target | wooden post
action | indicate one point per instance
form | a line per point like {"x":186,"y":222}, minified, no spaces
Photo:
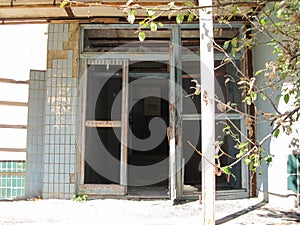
{"x":207,"y":112}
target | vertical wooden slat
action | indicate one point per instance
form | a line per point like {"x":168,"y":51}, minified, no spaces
{"x":177,"y":82}
{"x":123,"y":166}
{"x":83,"y":99}
{"x":208,"y":112}
{"x":172,"y":141}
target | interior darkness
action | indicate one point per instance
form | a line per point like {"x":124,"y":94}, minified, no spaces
{"x":140,"y":114}
{"x":144,"y":82}
{"x":138,"y":123}
{"x":102,"y":143}
{"x":192,"y":168}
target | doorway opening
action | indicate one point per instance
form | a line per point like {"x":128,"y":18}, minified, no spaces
{"x":103,"y":126}
{"x":148,"y":150}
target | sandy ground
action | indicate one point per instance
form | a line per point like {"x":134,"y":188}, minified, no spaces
{"x":158,"y":212}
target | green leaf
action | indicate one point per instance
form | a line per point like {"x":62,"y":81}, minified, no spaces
{"x":247,"y":161}
{"x":263,"y":96}
{"x":63,"y":4}
{"x":234,"y":42}
{"x":268,"y":159}
{"x":253,"y":96}
{"x":179,"y":18}
{"x":263,"y":21}
{"x":191,"y":17}
{"x":243,"y":144}
{"x":226,"y":130}
{"x":226,"y":169}
{"x":234,"y":10}
{"x":160,"y":24}
{"x":142,"y":36}
{"x":240,"y":154}
{"x":151,"y":12}
{"x":153,"y":26}
{"x":248,"y":100}
{"x":226,"y":44}
{"x":145,"y":25}
{"x":286,"y":98}
{"x":131,"y":16}
{"x":276,"y":133}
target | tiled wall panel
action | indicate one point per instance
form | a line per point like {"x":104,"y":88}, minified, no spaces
{"x":59,"y":156}
{"x":35,"y":139}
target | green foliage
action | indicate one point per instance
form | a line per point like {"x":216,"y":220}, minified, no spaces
{"x":131,"y":16}
{"x":226,"y":170}
{"x":179,"y":18}
{"x":80,"y":198}
{"x":277,"y":132}
{"x":63,"y":4}
{"x":142,"y":36}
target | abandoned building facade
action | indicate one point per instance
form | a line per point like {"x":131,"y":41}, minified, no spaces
{"x":101,"y":114}
{"x":100,"y":83}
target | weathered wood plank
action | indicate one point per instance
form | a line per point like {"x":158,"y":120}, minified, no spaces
{"x":102,"y":189}
{"x":13,"y":126}
{"x":12,"y":81}
{"x":124,"y":132}
{"x":10,"y":103}
{"x":13,"y":150}
{"x":102,"y":123}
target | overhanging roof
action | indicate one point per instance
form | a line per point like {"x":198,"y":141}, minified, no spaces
{"x":36,"y":10}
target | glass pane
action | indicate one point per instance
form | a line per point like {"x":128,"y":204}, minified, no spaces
{"x":104,"y":95}
{"x":102,"y":156}
{"x":191,"y":131}
{"x":226,"y":86}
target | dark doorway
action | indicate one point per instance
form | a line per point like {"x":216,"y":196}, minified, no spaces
{"x":148,"y":151}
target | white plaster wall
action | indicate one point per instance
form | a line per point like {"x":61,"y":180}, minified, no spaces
{"x":22,"y":47}
{"x":272,"y":185}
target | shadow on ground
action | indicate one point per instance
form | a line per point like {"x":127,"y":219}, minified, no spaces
{"x":287,"y":217}
{"x":240,"y":213}
{"x":290,"y":217}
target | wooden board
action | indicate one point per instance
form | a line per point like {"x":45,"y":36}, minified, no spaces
{"x":102,"y":123}
{"x":102,"y":189}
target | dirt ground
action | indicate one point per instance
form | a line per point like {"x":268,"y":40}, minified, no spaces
{"x":154,"y":212}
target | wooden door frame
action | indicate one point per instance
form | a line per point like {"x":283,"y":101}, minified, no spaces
{"x":104,"y":189}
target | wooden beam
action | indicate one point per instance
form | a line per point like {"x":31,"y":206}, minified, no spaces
{"x":208,"y":113}
{"x":13,"y":150}
{"x":10,"y":103}
{"x":12,"y":81}
{"x":69,"y":11}
{"x":13,"y":126}
{"x":102,"y":123}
